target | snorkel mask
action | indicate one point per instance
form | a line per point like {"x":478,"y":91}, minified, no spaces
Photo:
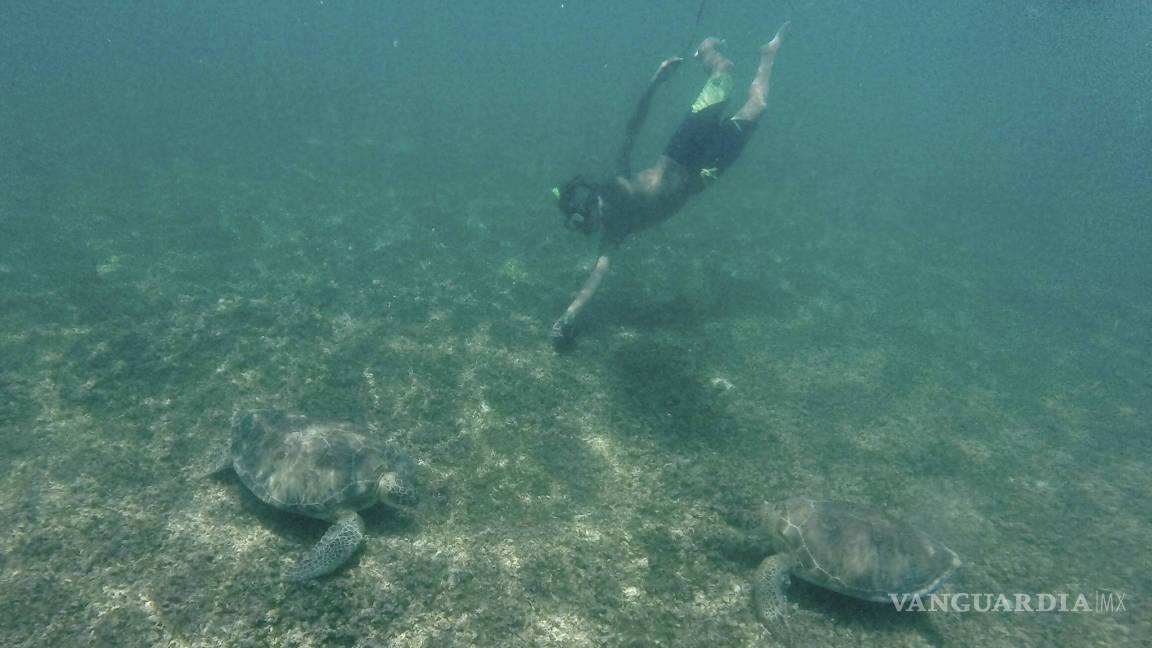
{"x":579,"y":200}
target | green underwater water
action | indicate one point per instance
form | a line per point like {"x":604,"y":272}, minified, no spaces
{"x":960,"y":340}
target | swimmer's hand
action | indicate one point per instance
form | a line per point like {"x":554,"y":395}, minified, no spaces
{"x":563,"y":335}
{"x":666,"y":69}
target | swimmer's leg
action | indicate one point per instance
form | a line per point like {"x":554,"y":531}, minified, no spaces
{"x":758,"y":91}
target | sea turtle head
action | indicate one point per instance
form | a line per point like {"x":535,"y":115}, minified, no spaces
{"x":772,"y":522}
{"x":396,"y":484}
{"x":781,"y":522}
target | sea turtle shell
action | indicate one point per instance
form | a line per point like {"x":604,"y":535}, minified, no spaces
{"x":321,"y":470}
{"x":857,"y":550}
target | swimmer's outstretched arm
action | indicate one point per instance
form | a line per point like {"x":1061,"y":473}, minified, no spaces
{"x":623,"y":162}
{"x":563,"y":331}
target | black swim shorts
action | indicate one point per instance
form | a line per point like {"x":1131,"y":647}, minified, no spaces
{"x":707,"y":143}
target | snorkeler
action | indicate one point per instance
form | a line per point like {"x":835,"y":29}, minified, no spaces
{"x":703,"y":146}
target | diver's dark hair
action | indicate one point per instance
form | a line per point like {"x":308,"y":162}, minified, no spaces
{"x":572,"y":194}
{"x":578,"y":199}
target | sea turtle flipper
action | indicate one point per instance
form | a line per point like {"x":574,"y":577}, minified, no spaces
{"x":340,"y":541}
{"x":768,"y":593}
{"x":218,"y":459}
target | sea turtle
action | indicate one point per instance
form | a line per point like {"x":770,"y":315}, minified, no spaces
{"x":848,"y":548}
{"x":322,"y":470}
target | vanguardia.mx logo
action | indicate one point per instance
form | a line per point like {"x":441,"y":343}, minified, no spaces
{"x":1102,"y":602}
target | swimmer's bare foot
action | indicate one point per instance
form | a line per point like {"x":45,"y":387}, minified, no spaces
{"x":563,"y":335}
{"x":708,"y":54}
{"x":708,"y":45}
{"x":771,"y":47}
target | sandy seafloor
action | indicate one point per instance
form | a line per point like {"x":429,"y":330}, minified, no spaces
{"x":598,"y":498}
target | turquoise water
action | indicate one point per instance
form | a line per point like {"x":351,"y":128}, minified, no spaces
{"x":923,"y":287}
